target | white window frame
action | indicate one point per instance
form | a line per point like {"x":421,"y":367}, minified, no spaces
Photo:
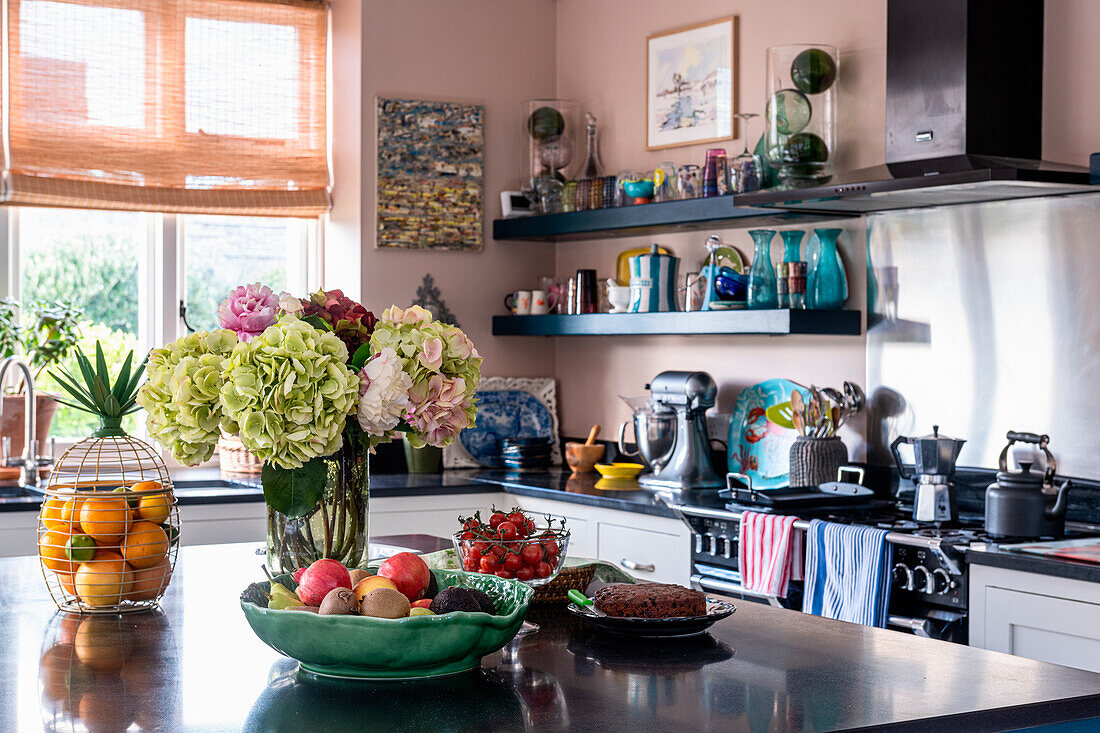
{"x":162,"y":273}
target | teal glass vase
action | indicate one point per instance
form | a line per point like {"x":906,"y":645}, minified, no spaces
{"x":826,"y":283}
{"x":792,"y":245}
{"x":762,"y":288}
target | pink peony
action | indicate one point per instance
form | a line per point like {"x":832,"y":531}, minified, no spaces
{"x":248,"y":310}
{"x":438,"y":411}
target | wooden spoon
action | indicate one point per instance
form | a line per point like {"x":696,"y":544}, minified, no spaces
{"x":592,"y":435}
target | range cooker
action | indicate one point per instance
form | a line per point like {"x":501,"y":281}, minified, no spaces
{"x":928,"y":596}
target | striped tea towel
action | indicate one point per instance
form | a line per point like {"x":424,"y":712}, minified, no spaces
{"x":769,"y":553}
{"x":847,"y":573}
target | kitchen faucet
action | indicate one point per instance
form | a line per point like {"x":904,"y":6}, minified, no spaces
{"x":30,"y":461}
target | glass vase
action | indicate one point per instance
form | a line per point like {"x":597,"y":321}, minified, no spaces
{"x":800,"y":114}
{"x":795,"y":268}
{"x":762,"y":288}
{"x":337,"y":525}
{"x":826,"y":284}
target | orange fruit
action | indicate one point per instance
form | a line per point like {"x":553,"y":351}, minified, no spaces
{"x":104,"y":580}
{"x":155,"y":508}
{"x":68,"y":583}
{"x":103,"y":643}
{"x":51,"y":548}
{"x":146,"y":486}
{"x":105,"y":519}
{"x":151,"y":581}
{"x":371,"y":582}
{"x":104,"y":708}
{"x":68,"y":626}
{"x":144,"y":544}
{"x":70,"y":511}
{"x":52,"y":515}
{"x":53,"y":670}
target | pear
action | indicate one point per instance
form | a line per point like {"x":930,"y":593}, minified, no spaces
{"x":282,"y":598}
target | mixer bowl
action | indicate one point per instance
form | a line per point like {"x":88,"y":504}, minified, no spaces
{"x":655,"y":434}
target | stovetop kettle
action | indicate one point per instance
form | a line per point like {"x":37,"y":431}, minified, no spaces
{"x":1025,"y":504}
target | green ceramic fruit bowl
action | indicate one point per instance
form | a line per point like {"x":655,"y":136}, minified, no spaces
{"x":407,"y":648}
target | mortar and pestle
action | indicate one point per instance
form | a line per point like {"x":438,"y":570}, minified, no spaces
{"x":582,"y":457}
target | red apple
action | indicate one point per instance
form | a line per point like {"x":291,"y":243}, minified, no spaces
{"x":320,"y":578}
{"x":297,"y":575}
{"x":409,"y":573}
{"x":422,"y":603}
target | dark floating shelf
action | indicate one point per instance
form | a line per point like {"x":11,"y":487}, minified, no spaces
{"x":771,"y":322}
{"x":630,"y":221}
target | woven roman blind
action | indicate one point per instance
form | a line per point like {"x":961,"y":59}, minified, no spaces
{"x":185,"y":106}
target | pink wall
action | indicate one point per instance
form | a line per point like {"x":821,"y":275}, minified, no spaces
{"x":601,"y":50}
{"x":497,"y":53}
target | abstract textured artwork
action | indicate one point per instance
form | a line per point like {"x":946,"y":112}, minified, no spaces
{"x":429,"y":174}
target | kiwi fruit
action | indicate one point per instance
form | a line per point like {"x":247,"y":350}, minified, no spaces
{"x":357,"y":575}
{"x":384,"y":603}
{"x":339,"y":602}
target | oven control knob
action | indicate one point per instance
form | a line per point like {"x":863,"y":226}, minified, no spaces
{"x":698,"y":543}
{"x":903,"y":576}
{"x":923,"y":580}
{"x":713,"y":545}
{"x":942,"y":581}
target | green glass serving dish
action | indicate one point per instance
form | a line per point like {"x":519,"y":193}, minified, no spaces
{"x":392,"y":649}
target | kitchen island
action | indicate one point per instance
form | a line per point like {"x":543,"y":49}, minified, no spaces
{"x":196,"y":666}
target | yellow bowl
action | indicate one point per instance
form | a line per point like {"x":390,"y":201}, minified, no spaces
{"x":619,"y":470}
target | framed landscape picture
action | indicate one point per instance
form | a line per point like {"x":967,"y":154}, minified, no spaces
{"x":690,"y":76}
{"x":430,"y":172}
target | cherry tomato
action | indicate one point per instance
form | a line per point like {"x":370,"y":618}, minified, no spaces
{"x":508,"y":574}
{"x":542,"y":570}
{"x":490,"y":563}
{"x":519,"y":519}
{"x":508,"y":531}
{"x":532,"y":554}
{"x":499,"y":551}
{"x":525,"y":573}
{"x":512,"y":561}
{"x":551,"y":547}
{"x":497,"y":518}
{"x":467,"y":535}
{"x":479,"y":548}
{"x":470,"y":523}
{"x":471,"y":564}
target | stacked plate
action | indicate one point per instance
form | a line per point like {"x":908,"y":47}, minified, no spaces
{"x":525,"y":453}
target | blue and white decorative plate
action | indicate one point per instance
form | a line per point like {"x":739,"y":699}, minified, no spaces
{"x":507,"y":407}
{"x":758,"y":447}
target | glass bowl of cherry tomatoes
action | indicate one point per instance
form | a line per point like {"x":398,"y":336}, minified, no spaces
{"x":512,"y":545}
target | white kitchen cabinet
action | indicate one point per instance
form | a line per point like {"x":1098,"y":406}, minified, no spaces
{"x":215,"y":524}
{"x":1042,"y":617}
{"x":18,"y":533}
{"x":582,"y":531}
{"x":431,"y":514}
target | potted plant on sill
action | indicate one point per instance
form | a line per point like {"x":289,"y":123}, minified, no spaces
{"x":43,"y":341}
{"x":311,"y":389}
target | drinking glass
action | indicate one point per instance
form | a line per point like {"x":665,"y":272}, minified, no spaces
{"x":744,"y":170}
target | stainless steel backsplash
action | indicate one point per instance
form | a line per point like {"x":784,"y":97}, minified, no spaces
{"x":986,"y":318}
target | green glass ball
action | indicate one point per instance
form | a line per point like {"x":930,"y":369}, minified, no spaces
{"x":545,"y":122}
{"x":788,"y":111}
{"x":806,"y":147}
{"x":813,"y":71}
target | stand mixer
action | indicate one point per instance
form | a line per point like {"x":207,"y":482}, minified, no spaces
{"x":671,"y":432}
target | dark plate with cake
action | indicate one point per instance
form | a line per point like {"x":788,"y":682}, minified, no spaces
{"x":652,"y":609}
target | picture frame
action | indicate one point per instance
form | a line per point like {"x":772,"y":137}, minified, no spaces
{"x":543,"y":389}
{"x":691,"y":89}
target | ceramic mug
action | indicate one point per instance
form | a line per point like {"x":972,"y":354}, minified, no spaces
{"x":519,"y":302}
{"x":540,"y":303}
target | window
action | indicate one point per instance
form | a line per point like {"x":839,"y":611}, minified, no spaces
{"x":119,"y":268}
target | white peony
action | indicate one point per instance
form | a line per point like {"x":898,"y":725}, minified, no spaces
{"x":383,"y":393}
{"x":289,"y":304}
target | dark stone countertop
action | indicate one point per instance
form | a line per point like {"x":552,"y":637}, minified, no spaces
{"x":196,"y":666}
{"x":995,"y":556}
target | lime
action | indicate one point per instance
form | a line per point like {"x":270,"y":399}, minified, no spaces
{"x":132,"y":501}
{"x":806,"y":147}
{"x":545,"y":122}
{"x":788,"y":111}
{"x":813,"y":71}
{"x":80,"y":548}
{"x":172,"y":532}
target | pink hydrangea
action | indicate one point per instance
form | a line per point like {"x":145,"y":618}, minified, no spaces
{"x":439,"y":409}
{"x":249,"y":310}
{"x":431,"y":353}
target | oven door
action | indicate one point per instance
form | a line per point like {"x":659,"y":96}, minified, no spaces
{"x":726,"y":583}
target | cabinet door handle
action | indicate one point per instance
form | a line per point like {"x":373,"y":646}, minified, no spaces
{"x":644,"y":567}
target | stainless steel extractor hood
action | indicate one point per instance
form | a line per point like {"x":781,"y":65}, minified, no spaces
{"x":963,"y":115}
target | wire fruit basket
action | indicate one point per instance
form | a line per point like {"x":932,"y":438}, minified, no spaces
{"x":108,"y":530}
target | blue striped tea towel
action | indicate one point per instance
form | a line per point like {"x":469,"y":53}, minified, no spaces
{"x":847,"y":573}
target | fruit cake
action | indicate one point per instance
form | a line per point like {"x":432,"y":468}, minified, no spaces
{"x":650,"y":600}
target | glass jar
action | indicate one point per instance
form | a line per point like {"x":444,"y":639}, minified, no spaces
{"x":552,"y":140}
{"x":762,"y":287}
{"x":800,"y":115}
{"x":826,"y":283}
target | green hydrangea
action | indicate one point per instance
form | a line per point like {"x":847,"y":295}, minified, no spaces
{"x":288,"y":393}
{"x":182,"y":393}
